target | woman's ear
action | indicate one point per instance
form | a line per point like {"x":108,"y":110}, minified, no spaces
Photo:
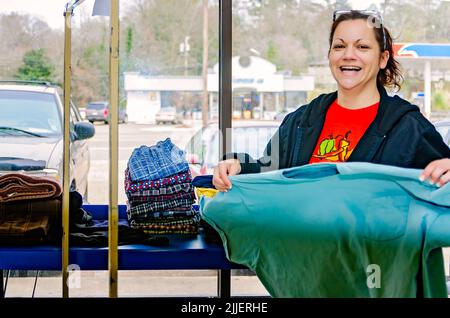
{"x":384,"y":59}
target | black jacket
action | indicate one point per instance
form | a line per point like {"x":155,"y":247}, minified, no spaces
{"x":399,"y":135}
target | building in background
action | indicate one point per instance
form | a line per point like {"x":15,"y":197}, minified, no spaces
{"x":259,"y":92}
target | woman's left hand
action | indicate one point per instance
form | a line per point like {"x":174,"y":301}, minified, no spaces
{"x":438,"y":171}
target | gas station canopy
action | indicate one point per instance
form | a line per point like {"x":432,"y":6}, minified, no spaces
{"x":425,"y":55}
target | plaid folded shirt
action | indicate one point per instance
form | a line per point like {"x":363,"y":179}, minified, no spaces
{"x":169,"y":222}
{"x":189,"y":229}
{"x":160,"y":198}
{"x":174,"y":189}
{"x":169,"y":215}
{"x":158,"y":161}
{"x":185,"y":226}
{"x":142,"y":211}
{"x":179,"y":178}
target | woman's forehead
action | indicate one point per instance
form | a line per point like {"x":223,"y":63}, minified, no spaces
{"x":353,"y":30}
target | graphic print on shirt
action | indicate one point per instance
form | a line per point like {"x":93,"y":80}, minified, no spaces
{"x":341,"y":132}
{"x":335,"y":148}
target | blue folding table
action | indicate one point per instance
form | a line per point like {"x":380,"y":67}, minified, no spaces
{"x":181,"y":253}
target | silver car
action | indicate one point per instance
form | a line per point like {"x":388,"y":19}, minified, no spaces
{"x":202,"y":150}
{"x":443,"y":127}
{"x":31,"y":134}
{"x":99,"y":111}
{"x":168,"y":115}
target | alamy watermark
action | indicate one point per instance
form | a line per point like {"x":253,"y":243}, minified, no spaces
{"x":374,"y":276}
{"x":74,"y":278}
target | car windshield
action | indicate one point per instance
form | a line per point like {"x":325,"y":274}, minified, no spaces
{"x":167,"y":110}
{"x":96,"y":106}
{"x":251,"y":140}
{"x":443,"y":130}
{"x":29,"y":111}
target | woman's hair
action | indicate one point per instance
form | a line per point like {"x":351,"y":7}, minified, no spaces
{"x":391,"y":75}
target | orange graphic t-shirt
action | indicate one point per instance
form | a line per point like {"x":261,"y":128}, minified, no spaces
{"x":341,"y":132}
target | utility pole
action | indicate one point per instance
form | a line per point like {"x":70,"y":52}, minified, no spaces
{"x":184,"y":49}
{"x":205,"y":65}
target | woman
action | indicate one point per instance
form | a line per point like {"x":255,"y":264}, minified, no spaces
{"x":359,"y":122}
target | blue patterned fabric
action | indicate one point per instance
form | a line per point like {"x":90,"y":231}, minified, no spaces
{"x":156,"y":162}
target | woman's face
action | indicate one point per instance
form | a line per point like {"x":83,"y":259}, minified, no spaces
{"x":354,"y":56}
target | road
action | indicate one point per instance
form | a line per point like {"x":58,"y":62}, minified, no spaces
{"x":131,"y":135}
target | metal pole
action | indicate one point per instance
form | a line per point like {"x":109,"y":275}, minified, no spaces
{"x":205,"y":107}
{"x":225,"y":93}
{"x":66,"y":155}
{"x":113,"y":148}
{"x":185,"y":60}
{"x":225,"y":73}
{"x":2,"y":291}
{"x":427,"y":91}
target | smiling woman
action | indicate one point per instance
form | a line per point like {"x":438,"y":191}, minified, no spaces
{"x":358,"y":122}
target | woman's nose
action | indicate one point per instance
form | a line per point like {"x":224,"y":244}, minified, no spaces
{"x":349,"y":52}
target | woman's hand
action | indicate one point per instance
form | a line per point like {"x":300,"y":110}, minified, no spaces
{"x":224,"y":169}
{"x":438,"y":171}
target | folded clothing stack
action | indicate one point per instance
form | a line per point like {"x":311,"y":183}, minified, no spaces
{"x":158,"y":185}
{"x":30,"y":209}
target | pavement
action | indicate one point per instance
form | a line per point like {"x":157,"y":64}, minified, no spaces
{"x":199,"y":283}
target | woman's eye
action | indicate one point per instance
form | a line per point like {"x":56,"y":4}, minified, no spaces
{"x":364,"y":47}
{"x":338,"y":46}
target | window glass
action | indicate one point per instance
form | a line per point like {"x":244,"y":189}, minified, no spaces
{"x":30,"y":111}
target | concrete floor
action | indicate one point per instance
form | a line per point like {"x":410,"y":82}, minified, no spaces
{"x":137,"y":284}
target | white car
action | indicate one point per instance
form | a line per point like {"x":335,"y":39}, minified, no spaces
{"x":443,"y":127}
{"x":31,"y":133}
{"x":202,"y":150}
{"x":168,"y":115}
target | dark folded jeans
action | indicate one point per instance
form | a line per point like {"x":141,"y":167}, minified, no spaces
{"x":95,"y":233}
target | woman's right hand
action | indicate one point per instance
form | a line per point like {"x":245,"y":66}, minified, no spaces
{"x":224,"y":169}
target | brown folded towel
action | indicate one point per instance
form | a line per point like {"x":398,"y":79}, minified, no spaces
{"x":16,"y":186}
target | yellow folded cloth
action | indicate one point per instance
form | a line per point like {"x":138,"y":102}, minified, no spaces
{"x":208,"y":192}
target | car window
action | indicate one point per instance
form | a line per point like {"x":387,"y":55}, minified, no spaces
{"x":76,"y":116}
{"x":167,"y":110}
{"x":443,"y":130}
{"x":96,"y":106}
{"x":32,"y":111}
{"x":251,"y":140}
{"x":197,"y":146}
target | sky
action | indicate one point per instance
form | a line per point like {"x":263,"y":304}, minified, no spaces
{"x":51,"y":11}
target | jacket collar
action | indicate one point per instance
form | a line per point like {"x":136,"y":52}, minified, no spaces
{"x":390,"y":111}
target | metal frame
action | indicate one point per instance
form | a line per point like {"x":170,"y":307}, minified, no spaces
{"x":2,"y":286}
{"x":225,"y":107}
{"x":113,"y":149}
{"x":113,"y":132}
{"x":225,"y":99}
{"x":66,"y":141}
{"x":113,"y":145}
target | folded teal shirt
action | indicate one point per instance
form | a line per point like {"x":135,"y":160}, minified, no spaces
{"x":336,"y":230}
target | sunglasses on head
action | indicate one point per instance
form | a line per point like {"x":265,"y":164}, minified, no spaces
{"x":378,"y":19}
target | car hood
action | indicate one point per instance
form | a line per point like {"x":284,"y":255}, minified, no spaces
{"x":29,"y":148}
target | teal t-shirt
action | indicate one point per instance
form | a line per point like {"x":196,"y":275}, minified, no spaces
{"x":336,"y":230}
